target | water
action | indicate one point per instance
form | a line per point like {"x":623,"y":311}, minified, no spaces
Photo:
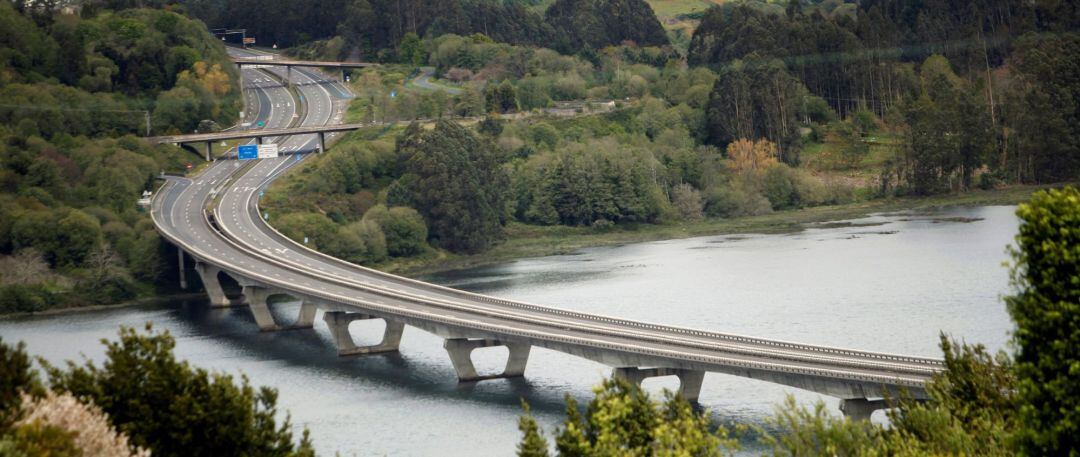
{"x":885,"y":283}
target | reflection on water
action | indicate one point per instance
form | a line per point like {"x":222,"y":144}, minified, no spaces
{"x":889,"y":282}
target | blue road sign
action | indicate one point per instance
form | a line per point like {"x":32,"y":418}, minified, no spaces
{"x":248,"y":152}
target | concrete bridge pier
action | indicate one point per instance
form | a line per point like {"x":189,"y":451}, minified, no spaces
{"x":460,"y":351}
{"x":861,"y":408}
{"x":338,"y":322}
{"x":209,"y":275}
{"x":689,"y":380}
{"x":256,"y":298}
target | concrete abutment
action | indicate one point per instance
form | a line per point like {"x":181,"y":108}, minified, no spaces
{"x":338,"y":322}
{"x":460,"y":352}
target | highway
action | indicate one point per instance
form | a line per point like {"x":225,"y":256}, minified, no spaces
{"x":215,"y":218}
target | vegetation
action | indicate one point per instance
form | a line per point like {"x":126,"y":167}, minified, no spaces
{"x":141,"y":399}
{"x":980,"y":404}
{"x":74,"y":89}
{"x":1046,"y":309}
{"x":98,"y":73}
{"x":623,"y":420}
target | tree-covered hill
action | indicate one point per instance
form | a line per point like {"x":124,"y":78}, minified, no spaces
{"x":374,"y":29}
{"x":596,"y":24}
{"x":92,"y":74}
{"x":74,"y":88}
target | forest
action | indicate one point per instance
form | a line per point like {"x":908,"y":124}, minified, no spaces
{"x":76,"y":89}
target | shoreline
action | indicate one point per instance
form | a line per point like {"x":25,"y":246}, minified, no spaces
{"x":527,"y":241}
{"x":79,"y":309}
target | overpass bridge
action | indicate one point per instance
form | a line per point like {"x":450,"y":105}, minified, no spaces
{"x":259,"y":135}
{"x":215,"y":219}
{"x":271,"y":60}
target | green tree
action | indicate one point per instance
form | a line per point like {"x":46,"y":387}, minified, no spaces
{"x":501,"y":98}
{"x":411,"y":50}
{"x":623,"y":420}
{"x":460,"y":187}
{"x":16,"y":377}
{"x":159,"y":401}
{"x":406,"y":233}
{"x":1046,"y":308}
{"x":533,"y":443}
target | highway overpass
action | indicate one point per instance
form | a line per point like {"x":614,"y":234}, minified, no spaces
{"x":215,"y":219}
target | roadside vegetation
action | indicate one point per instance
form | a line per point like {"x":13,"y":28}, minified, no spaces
{"x":1021,"y":403}
{"x":74,"y":90}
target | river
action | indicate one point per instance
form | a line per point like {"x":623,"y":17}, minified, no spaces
{"x":889,"y":282}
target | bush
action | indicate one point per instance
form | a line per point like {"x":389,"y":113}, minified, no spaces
{"x":623,"y":420}
{"x":359,"y":242}
{"x":1046,"y":309}
{"x":687,"y":200}
{"x":91,"y":432}
{"x":406,"y":233}
{"x":159,"y":401}
{"x":786,"y":187}
{"x":735,"y":199}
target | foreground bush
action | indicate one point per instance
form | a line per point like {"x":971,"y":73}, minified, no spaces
{"x":172,"y":408}
{"x":623,"y":420}
{"x":91,"y":432}
{"x":1046,"y":309}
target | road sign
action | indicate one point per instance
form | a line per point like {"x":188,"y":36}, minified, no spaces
{"x":249,"y":40}
{"x":393,"y":93}
{"x":247,"y":152}
{"x":260,"y":124}
{"x":268,"y":151}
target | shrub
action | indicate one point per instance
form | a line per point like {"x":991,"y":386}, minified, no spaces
{"x":91,"y":432}
{"x":687,"y":200}
{"x":735,"y":199}
{"x":405,"y":230}
{"x":159,"y":401}
{"x":1046,"y":308}
{"x":623,"y":420}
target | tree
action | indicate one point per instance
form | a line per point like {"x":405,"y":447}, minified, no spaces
{"x":411,"y":50}
{"x":17,"y":377}
{"x":501,"y":98}
{"x":746,"y":156}
{"x":459,"y":187}
{"x":687,"y":200}
{"x":1043,"y":110}
{"x":623,"y":420}
{"x":158,"y":401}
{"x":1046,"y":308}
{"x":586,"y":24}
{"x":406,"y":233}
{"x":533,"y":443}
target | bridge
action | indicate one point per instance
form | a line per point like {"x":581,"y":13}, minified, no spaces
{"x":271,"y":60}
{"x":242,"y":61}
{"x":259,"y":135}
{"x":215,"y":219}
